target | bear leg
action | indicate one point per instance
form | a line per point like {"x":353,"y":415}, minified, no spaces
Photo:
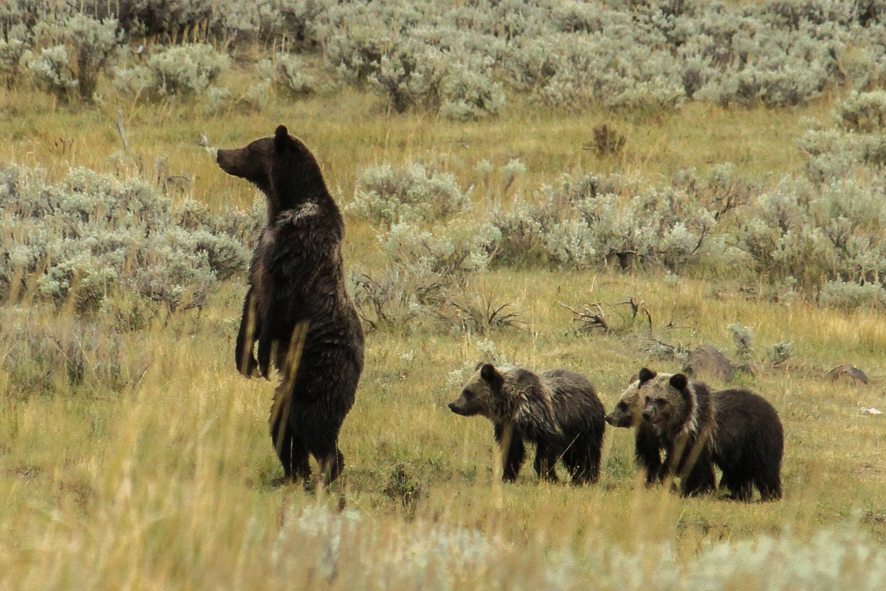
{"x":246,"y":336}
{"x":700,"y":479}
{"x":331,"y":466}
{"x":545,"y":463}
{"x":647,"y":451}
{"x":742,"y":489}
{"x":291,"y":451}
{"x":582,"y":461}
{"x":769,"y":486}
{"x":513,"y":460}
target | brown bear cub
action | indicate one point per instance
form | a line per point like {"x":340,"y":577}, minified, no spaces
{"x":297,"y":308}
{"x":628,"y":412}
{"x":557,"y":410}
{"x":748,"y":444}
{"x":683,"y":419}
{"x":737,"y":430}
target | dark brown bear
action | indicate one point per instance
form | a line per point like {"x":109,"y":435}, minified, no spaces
{"x":683,"y":417}
{"x":748,"y":444}
{"x":297,"y":308}
{"x":557,"y":410}
{"x":737,"y":430}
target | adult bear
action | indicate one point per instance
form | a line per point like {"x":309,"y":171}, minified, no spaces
{"x":297,"y":308}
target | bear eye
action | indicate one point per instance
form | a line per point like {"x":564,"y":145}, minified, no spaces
{"x":622,"y":406}
{"x":467,"y":394}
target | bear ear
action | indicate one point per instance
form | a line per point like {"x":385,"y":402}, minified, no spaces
{"x":679,"y":381}
{"x":489,"y":373}
{"x":281,"y":138}
{"x":645,"y":375}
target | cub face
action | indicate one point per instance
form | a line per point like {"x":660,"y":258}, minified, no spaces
{"x":477,"y":394}
{"x":664,"y":394}
{"x":629,"y":409}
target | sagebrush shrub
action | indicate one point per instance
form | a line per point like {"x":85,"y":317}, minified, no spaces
{"x":12,"y":50}
{"x":425,"y":270}
{"x":389,"y":195}
{"x":65,"y":355}
{"x":847,"y":295}
{"x":93,"y":236}
{"x":410,"y":75}
{"x":177,"y":71}
{"x":287,"y":72}
{"x":469,"y":91}
{"x":863,"y":112}
{"x":51,"y":71}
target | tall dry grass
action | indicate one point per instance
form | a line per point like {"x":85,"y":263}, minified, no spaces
{"x":165,"y":478}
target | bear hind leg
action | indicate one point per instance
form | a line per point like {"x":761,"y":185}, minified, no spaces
{"x":545,"y":462}
{"x":742,"y":490}
{"x":291,"y":451}
{"x":583,"y":463}
{"x":331,"y":466}
{"x":769,"y":487}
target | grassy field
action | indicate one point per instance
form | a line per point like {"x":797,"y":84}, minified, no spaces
{"x":172,"y":482}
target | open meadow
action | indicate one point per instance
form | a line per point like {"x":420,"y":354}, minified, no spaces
{"x":508,"y":210}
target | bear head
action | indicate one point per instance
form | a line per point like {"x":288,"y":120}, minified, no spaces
{"x":281,"y":166}
{"x":667,"y":400}
{"x":509,"y":395}
{"x":628,"y":410}
{"x":479,"y":394}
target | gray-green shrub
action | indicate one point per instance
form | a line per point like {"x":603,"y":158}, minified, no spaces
{"x":389,"y":195}
{"x":177,"y":71}
{"x":92,"y":236}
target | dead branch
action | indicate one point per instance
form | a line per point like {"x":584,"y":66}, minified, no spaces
{"x":591,"y":316}
{"x":636,"y":308}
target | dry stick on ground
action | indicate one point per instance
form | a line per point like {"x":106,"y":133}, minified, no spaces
{"x":636,"y":308}
{"x":591,"y":316}
{"x":122,"y":131}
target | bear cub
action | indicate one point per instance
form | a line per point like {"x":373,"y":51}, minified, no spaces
{"x":297,"y":309}
{"x":737,"y":430}
{"x":628,"y":413}
{"x":557,"y":410}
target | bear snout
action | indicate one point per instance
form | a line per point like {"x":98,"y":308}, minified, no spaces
{"x":459,"y":409}
{"x":222,"y":157}
{"x":611,"y":420}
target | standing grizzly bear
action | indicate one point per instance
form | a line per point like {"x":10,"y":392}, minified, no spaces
{"x":737,"y":430}
{"x":556,"y":410}
{"x":297,"y":308}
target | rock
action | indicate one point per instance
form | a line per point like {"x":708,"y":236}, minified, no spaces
{"x":847,"y":370}
{"x":708,"y":361}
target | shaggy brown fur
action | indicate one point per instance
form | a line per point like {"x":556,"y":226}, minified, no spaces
{"x":558,"y":410}
{"x":737,"y":430}
{"x":682,"y":415}
{"x":296,"y":307}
